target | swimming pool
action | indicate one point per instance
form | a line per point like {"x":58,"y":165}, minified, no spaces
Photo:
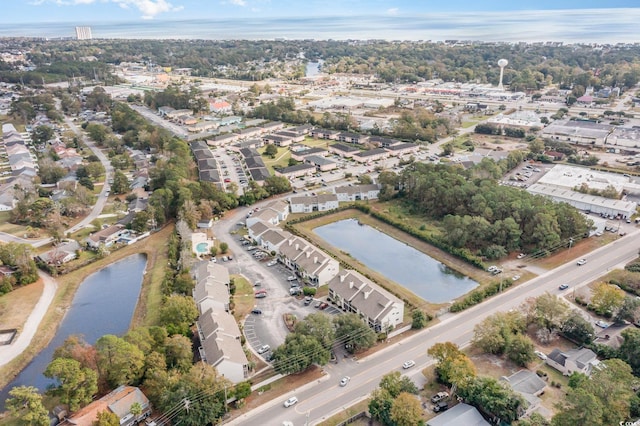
{"x":202,"y":247}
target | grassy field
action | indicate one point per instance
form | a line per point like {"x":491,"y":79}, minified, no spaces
{"x":243,"y":299}
{"x":280,"y":160}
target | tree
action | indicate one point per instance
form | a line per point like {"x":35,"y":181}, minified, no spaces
{"x":606,"y":299}
{"x":120,"y":183}
{"x":318,"y":326}
{"x":242,"y":390}
{"x":355,"y":334}
{"x":178,"y":352}
{"x":76,"y":384}
{"x":365,"y":180}
{"x":492,"y":396}
{"x":419,"y":319}
{"x":277,"y":185}
{"x":380,"y":406}
{"x":630,"y":348}
{"x":452,"y":365}
{"x":271,"y":150}
{"x":629,"y":311}
{"x":395,"y":383}
{"x":107,"y":418}
{"x":495,"y":332}
{"x":25,"y":404}
{"x":520,"y":349}
{"x":406,"y":410}
{"x":550,"y":311}
{"x":42,"y":134}
{"x":119,"y":362}
{"x":224,"y":247}
{"x":297,"y":353}
{"x":178,"y":313}
{"x":578,"y":329}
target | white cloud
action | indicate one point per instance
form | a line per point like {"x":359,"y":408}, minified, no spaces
{"x":148,"y":8}
{"x":393,"y":11}
{"x":238,"y":2}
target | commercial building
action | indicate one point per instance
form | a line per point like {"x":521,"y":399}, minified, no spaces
{"x":83,"y":33}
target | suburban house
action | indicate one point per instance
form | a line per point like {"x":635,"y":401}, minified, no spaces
{"x":576,"y":360}
{"x":322,"y":164}
{"x":357,"y":192}
{"x":325,"y":134}
{"x":212,"y":287}
{"x":530,"y":386}
{"x":371,"y":155}
{"x":343,"y":150}
{"x":296,"y":171}
{"x":219,"y":107}
{"x":106,"y":237}
{"x":273,"y":238}
{"x":308,"y":261}
{"x":352,"y":292}
{"x":314,"y":203}
{"x":460,"y":415}
{"x":119,"y":402}
{"x":62,"y":253}
{"x":221,"y":345}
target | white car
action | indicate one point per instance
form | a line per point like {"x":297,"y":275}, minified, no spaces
{"x":291,"y":401}
{"x":582,"y":262}
{"x":408,"y":364}
{"x":272,"y":263}
{"x":345,"y":380}
{"x":522,"y":256}
{"x":602,"y":324}
{"x":540,"y":355}
{"x":264,"y":348}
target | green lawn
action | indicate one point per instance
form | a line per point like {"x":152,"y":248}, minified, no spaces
{"x":280,"y":160}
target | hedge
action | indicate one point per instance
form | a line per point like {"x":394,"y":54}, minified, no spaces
{"x":477,"y":296}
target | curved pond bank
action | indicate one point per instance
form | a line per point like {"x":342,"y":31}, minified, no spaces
{"x":103,"y":304}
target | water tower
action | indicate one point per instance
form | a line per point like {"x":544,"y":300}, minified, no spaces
{"x":502,"y":63}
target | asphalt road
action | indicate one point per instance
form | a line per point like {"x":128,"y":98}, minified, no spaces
{"x":320,"y":400}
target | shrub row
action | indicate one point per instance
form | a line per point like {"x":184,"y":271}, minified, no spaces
{"x":479,"y":295}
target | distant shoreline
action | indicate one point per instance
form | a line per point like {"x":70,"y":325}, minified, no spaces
{"x":602,"y":26}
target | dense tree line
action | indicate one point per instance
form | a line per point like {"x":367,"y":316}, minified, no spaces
{"x":19,"y":258}
{"x":481,"y":215}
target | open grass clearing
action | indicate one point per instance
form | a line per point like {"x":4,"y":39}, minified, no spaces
{"x":15,"y":304}
{"x":243,"y":299}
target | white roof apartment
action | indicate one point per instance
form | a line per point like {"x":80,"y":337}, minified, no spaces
{"x":212,"y":287}
{"x":355,"y":293}
{"x":308,"y":204}
{"x":357,"y":192}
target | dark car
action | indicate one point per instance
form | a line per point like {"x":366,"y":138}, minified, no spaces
{"x":440,"y":406}
{"x":256,"y":311}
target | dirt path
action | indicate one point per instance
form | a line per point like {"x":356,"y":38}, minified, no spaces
{"x":9,"y":352}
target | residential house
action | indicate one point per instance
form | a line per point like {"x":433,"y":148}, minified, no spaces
{"x":575,"y":360}
{"x":278,"y":139}
{"x":281,"y":207}
{"x":308,"y":261}
{"x":138,"y":205}
{"x":221,"y":345}
{"x":272,"y":126}
{"x":219,"y":107}
{"x":530,"y":386}
{"x":62,"y":253}
{"x":402,"y":148}
{"x":325,"y":134}
{"x":272,"y":239}
{"x":382,"y":142}
{"x":322,"y":164}
{"x":371,"y":155}
{"x":298,"y":170}
{"x":460,"y":415}
{"x":267,"y":216}
{"x":345,"y":151}
{"x":212,"y":287}
{"x":357,"y":192}
{"x":314,"y":203}
{"x":119,"y":402}
{"x":352,"y":292}
{"x":106,"y":237}
{"x":256,"y":229}
{"x":300,"y":152}
{"x":354,"y":138}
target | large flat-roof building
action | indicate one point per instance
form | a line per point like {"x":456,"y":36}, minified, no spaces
{"x":83,"y":33}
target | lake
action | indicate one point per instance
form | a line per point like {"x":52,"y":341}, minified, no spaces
{"x":426,"y":277}
{"x":103,"y":304}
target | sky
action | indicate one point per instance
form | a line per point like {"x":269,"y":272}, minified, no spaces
{"x":95,"y":11}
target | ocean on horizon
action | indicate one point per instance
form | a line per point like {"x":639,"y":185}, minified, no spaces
{"x":569,"y":26}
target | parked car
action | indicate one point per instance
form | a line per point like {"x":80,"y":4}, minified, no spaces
{"x":345,"y":380}
{"x":264,"y":348}
{"x":408,"y":364}
{"x":563,"y":286}
{"x":272,"y":263}
{"x":291,"y":401}
{"x":522,"y":256}
{"x":256,"y":311}
{"x":540,"y":355}
{"x":292,"y":278}
{"x":582,"y":262}
{"x":260,"y":294}
{"x":492,"y":268}
{"x":318,"y":303}
{"x":602,"y":324}
{"x":439,"y":397}
{"x":308,"y":300}
{"x":441,"y":406}
{"x":323,"y":305}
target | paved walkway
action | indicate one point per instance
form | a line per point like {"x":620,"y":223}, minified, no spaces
{"x":9,"y":352}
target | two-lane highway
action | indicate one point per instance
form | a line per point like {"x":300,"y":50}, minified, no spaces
{"x":324,"y":398}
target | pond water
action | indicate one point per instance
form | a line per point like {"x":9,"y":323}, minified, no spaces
{"x":426,"y":277}
{"x":103,"y":304}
